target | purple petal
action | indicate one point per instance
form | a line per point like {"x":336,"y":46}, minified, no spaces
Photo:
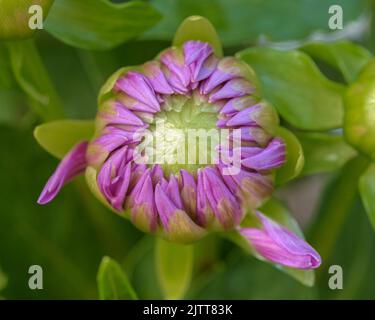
{"x":246,"y":117}
{"x":111,"y":139}
{"x":175,"y":70}
{"x":134,"y":104}
{"x":137,"y":86}
{"x":273,"y":156}
{"x":157,"y":174}
{"x":232,"y":89}
{"x":280,"y":245}
{"x":188,"y":192}
{"x":116,"y":113}
{"x":174,"y":192}
{"x":237,"y":104}
{"x":205,"y":214}
{"x":141,"y":203}
{"x":165,"y":206}
{"x":72,"y":165}
{"x":251,"y":187}
{"x":205,"y":70}
{"x":114,"y":177}
{"x":153,"y":72}
{"x":227,"y":68}
{"x":222,"y":201}
{"x":177,"y":224}
{"x":253,"y":135}
{"x":196,"y":54}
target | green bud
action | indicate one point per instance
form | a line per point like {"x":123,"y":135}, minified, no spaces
{"x":359,"y":119}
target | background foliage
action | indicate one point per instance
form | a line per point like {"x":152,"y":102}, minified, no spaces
{"x":58,"y":72}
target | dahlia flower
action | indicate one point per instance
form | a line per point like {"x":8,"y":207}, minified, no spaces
{"x":164,"y":187}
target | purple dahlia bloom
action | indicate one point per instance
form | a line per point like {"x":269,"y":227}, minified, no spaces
{"x":187,"y":88}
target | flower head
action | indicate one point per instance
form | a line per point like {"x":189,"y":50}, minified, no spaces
{"x":165,"y":186}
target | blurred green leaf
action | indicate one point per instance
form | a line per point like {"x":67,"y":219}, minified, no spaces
{"x":58,"y":137}
{"x":294,"y":157}
{"x":298,"y":90}
{"x":367,"y":191}
{"x":113,"y":284}
{"x":324,"y":152}
{"x":174,"y":264}
{"x":198,"y":28}
{"x":347,"y":57}
{"x":14,"y":17}
{"x":32,"y":77}
{"x":359,"y":120}
{"x":100,"y":24}
{"x":3,"y":280}
{"x":336,"y":204}
{"x":240,"y":22}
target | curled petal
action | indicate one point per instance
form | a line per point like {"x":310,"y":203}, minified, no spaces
{"x":114,"y":113}
{"x":111,"y":139}
{"x":196,"y":53}
{"x":237,"y":104}
{"x":205,"y":214}
{"x":228,"y":68}
{"x":153,"y":72}
{"x":253,"y":135}
{"x":114,"y":177}
{"x":137,"y":86}
{"x":205,"y":70}
{"x":141,"y":204}
{"x":157,"y":174}
{"x":251,"y":187}
{"x":279,"y":245}
{"x":223,"y":203}
{"x":188,"y":192}
{"x":177,"y":224}
{"x":134,"y":104}
{"x":232,"y":89}
{"x":175,"y":70}
{"x":273,"y":156}
{"x":72,"y":165}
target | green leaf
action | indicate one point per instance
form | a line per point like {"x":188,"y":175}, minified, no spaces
{"x":113,"y":284}
{"x":367,"y":191}
{"x":294,"y":157}
{"x":324,"y":152}
{"x":174,"y":264}
{"x":100,"y":24}
{"x":58,"y":137}
{"x":241,"y":22}
{"x":198,"y":28}
{"x":298,"y":90}
{"x":15,"y":16}
{"x":359,"y":120}
{"x":347,"y":57}
{"x":32,"y":77}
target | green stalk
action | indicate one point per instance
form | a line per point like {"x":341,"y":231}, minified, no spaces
{"x":336,"y":205}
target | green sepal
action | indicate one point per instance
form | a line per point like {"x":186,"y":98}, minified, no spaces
{"x":58,"y":137}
